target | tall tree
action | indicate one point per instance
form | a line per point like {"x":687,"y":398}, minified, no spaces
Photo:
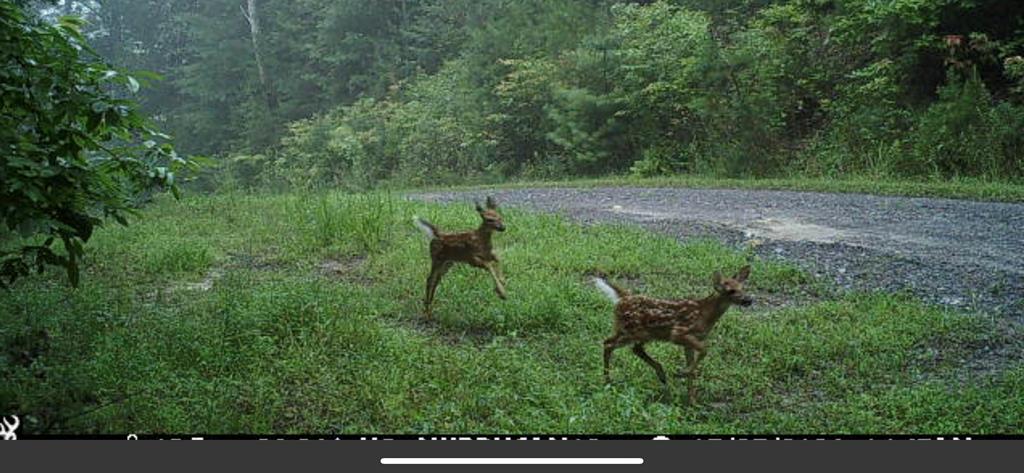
{"x":253,"y":18}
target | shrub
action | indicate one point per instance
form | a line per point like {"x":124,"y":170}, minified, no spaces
{"x":74,"y":153}
{"x":964,"y":134}
{"x":520,"y":123}
{"x":587,"y":131}
{"x":440,"y":130}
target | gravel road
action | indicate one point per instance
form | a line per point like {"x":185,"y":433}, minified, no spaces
{"x":964,"y":254}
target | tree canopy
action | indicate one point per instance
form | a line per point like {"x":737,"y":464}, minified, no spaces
{"x":364,"y":92}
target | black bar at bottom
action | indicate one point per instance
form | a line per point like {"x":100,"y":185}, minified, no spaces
{"x":718,"y":456}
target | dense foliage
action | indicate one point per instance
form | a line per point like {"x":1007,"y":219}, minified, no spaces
{"x":357,"y":92}
{"x":74,"y":152}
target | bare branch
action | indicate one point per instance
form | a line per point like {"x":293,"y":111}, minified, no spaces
{"x":245,"y":14}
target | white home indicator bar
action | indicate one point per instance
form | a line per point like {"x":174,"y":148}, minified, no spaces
{"x":512,"y":461}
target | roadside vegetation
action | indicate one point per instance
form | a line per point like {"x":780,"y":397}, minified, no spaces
{"x":435,"y":92}
{"x":973,"y":189}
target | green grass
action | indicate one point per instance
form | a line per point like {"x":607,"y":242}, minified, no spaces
{"x":966,"y":188}
{"x":301,"y":314}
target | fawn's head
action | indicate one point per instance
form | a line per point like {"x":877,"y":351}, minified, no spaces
{"x":732,"y":288}
{"x":491,"y":219}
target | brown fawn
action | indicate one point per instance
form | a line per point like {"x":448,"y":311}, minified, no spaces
{"x":685,"y":322}
{"x":472,"y":247}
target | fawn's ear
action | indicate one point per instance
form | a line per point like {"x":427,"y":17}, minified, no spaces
{"x":479,"y":208}
{"x":491,"y":204}
{"x":716,"y":279}
{"x":742,"y":275}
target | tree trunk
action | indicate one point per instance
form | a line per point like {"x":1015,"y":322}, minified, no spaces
{"x":249,"y":11}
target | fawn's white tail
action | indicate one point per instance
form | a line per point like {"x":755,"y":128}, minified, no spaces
{"x":426,"y":227}
{"x":607,"y":289}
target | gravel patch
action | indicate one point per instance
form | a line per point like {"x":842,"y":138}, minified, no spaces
{"x":962,"y":254}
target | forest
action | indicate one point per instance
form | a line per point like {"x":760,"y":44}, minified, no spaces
{"x":362,"y":93}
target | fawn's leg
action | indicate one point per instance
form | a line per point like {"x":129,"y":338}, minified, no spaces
{"x":499,"y":285}
{"x":609,"y":347}
{"x":437,"y":270}
{"x":691,"y":343}
{"x":501,"y":274}
{"x":638,"y":349}
{"x":685,"y":370}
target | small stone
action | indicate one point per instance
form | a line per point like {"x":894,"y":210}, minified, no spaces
{"x":951,"y":300}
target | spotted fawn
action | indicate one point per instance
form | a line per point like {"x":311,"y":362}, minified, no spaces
{"x":685,"y":322}
{"x":471,"y":247}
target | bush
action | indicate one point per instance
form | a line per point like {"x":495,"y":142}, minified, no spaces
{"x":74,"y":153}
{"x":590,"y":136}
{"x":353,"y":146}
{"x":965,"y":134}
{"x":520,"y":122}
{"x":441,"y":131}
{"x":663,"y":55}
{"x":427,"y":132}
{"x":867,"y":127}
